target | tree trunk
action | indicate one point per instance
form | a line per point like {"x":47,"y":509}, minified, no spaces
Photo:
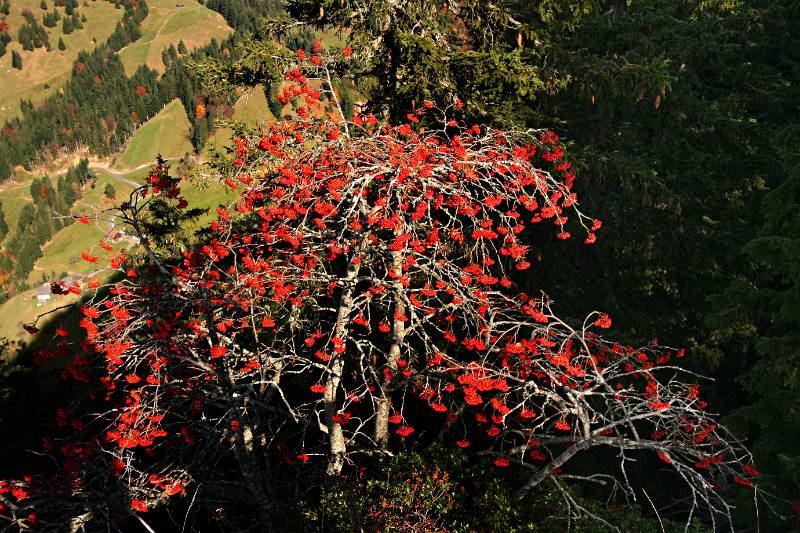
{"x":384,"y":402}
{"x":245,"y":455}
{"x":338,"y":445}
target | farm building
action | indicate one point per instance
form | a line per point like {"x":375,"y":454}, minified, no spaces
{"x":43,"y":294}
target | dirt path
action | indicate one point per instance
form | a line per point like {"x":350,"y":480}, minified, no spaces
{"x":101,"y":165}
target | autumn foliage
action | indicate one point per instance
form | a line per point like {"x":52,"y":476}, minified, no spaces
{"x":358,"y":297}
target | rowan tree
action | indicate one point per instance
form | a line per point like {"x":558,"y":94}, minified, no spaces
{"x":355,"y":299}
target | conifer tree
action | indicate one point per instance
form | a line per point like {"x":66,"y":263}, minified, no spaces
{"x":49,"y":193}
{"x":35,"y":191}
{"x":16,"y":60}
{"x":756,"y":325}
{"x":25,"y":218}
{"x":25,"y":38}
{"x":51,"y":19}
{"x":68,"y":26}
{"x":28,"y":252}
{"x":3,"y":223}
{"x":61,"y":45}
{"x":42,"y":227}
{"x":412,"y":52}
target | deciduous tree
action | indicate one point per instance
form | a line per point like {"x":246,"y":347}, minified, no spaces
{"x":355,"y":299}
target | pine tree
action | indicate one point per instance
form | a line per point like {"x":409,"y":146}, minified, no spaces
{"x":62,"y":203}
{"x":3,"y":223}
{"x":4,"y":163}
{"x":25,"y":218}
{"x":61,"y":45}
{"x":68,"y":26}
{"x":43,"y":228}
{"x":756,"y":324}
{"x":25,"y":38}
{"x":36,"y":190}
{"x":83,"y":171}
{"x":51,"y":18}
{"x":49,"y":192}
{"x":29,"y":253}
{"x":43,"y":5}
{"x":16,"y":60}
{"x":66,"y":191}
{"x":416,"y":54}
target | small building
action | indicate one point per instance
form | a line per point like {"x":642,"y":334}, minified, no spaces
{"x":42,"y":294}
{"x":72,"y":278}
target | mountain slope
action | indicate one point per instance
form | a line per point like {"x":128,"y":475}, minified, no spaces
{"x":168,"y":24}
{"x":44,"y":72}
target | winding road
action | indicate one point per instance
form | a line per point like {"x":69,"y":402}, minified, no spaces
{"x":120,"y":176}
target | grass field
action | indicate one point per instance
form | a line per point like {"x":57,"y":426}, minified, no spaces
{"x":22,"y":309}
{"x":13,"y":197}
{"x":167,"y":134}
{"x":168,"y":24}
{"x":45,"y":72}
{"x":252,"y":108}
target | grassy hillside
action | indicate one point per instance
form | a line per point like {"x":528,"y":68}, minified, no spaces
{"x":14,"y":196}
{"x":168,"y":24}
{"x":63,"y":252}
{"x":251,"y":109}
{"x":167,"y":134}
{"x":22,"y":309}
{"x":45,"y":72}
